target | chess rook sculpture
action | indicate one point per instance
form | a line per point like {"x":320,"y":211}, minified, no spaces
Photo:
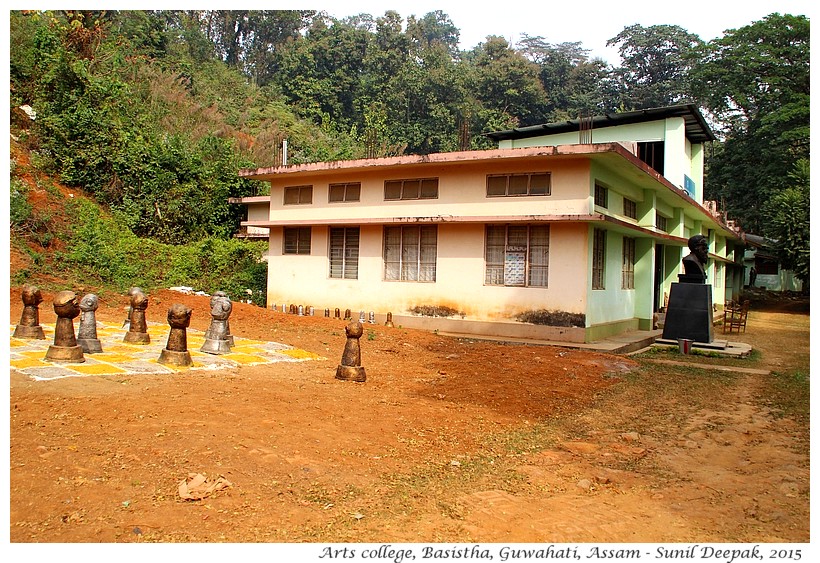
{"x":87,"y":332}
{"x":351,"y":369}
{"x":176,"y":349}
{"x":216,"y":337}
{"x":137,"y":323}
{"x":29,"y":326}
{"x":65,"y":347}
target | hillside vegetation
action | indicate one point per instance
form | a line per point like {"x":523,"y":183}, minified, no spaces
{"x":128,"y":127}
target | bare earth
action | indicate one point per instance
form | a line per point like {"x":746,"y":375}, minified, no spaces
{"x":448,"y":440}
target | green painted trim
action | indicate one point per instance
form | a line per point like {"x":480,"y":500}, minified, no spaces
{"x":605,"y":330}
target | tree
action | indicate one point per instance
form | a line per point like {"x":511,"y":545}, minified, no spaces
{"x":504,"y":81}
{"x":788,"y":223}
{"x":655,"y":65}
{"x":574,"y":84}
{"x":755,"y":82}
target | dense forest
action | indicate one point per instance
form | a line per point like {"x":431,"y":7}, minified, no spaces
{"x":152,"y":113}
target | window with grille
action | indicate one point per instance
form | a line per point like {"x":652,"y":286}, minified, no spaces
{"x":505,"y":185}
{"x":630,"y":208}
{"x":349,"y":191}
{"x":423,"y":188}
{"x":410,"y":253}
{"x":601,"y":195}
{"x":661,"y":223}
{"x":344,"y":253}
{"x":296,"y":240}
{"x":296,"y":195}
{"x":598,"y":258}
{"x":628,"y":265}
{"x":517,"y":255}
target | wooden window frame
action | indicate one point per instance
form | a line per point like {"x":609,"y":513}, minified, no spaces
{"x":298,"y":195}
{"x":599,"y":259}
{"x":343,"y":260}
{"x":299,"y":246}
{"x":512,"y":185}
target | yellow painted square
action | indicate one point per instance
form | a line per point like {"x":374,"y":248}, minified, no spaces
{"x":29,"y":363}
{"x":300,"y":354}
{"x":15,"y":343}
{"x":34,"y":354}
{"x":113,"y":358}
{"x":245,"y":358}
{"x":95,"y":369}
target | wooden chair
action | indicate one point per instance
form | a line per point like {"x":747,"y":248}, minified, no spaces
{"x":734,"y":317}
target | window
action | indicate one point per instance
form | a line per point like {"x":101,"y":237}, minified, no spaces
{"x":718,"y":274}
{"x":661,"y":223}
{"x":630,"y":208}
{"x":296,"y":195}
{"x":652,"y":153}
{"x":766,"y":265}
{"x":601,"y":195}
{"x":344,"y":253}
{"x":344,"y":192}
{"x":297,"y":240}
{"x":598,"y":258}
{"x":501,"y":185}
{"x":628,"y":264}
{"x":517,"y":255}
{"x":425,"y":188}
{"x":410,"y":253}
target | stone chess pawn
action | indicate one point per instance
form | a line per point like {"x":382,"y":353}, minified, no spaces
{"x":216,"y":337}
{"x":29,"y":326}
{"x":176,"y":349}
{"x":87,"y":331}
{"x":137,"y":323}
{"x":65,"y":347}
{"x":351,"y":368}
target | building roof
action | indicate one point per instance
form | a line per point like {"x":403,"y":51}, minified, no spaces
{"x":697,"y":130}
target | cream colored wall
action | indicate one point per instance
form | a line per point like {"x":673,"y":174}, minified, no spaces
{"x":459,"y":276}
{"x":462,"y":193}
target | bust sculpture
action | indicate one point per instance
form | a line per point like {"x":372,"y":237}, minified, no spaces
{"x":694,"y":265}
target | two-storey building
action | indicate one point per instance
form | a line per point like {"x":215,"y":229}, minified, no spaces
{"x":569,"y":231}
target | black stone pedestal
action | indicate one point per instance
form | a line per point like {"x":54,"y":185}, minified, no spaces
{"x":689,"y":312}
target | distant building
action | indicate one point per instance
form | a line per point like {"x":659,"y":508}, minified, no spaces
{"x":569,"y":231}
{"x":760,"y":255}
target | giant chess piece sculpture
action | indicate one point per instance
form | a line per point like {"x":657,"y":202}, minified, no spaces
{"x":176,"y":349}
{"x":137,"y":323}
{"x":351,"y":367}
{"x":228,"y":334}
{"x":87,"y":332}
{"x":127,"y":324}
{"x":65,"y":347}
{"x":29,"y":326}
{"x":216,"y":337}
{"x":689,"y":311}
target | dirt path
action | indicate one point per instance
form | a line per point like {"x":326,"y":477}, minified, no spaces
{"x":448,"y":441}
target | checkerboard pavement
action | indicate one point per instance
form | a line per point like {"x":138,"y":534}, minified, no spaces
{"x":122,"y":358}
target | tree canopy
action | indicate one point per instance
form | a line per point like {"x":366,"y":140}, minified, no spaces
{"x":153,"y":112}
